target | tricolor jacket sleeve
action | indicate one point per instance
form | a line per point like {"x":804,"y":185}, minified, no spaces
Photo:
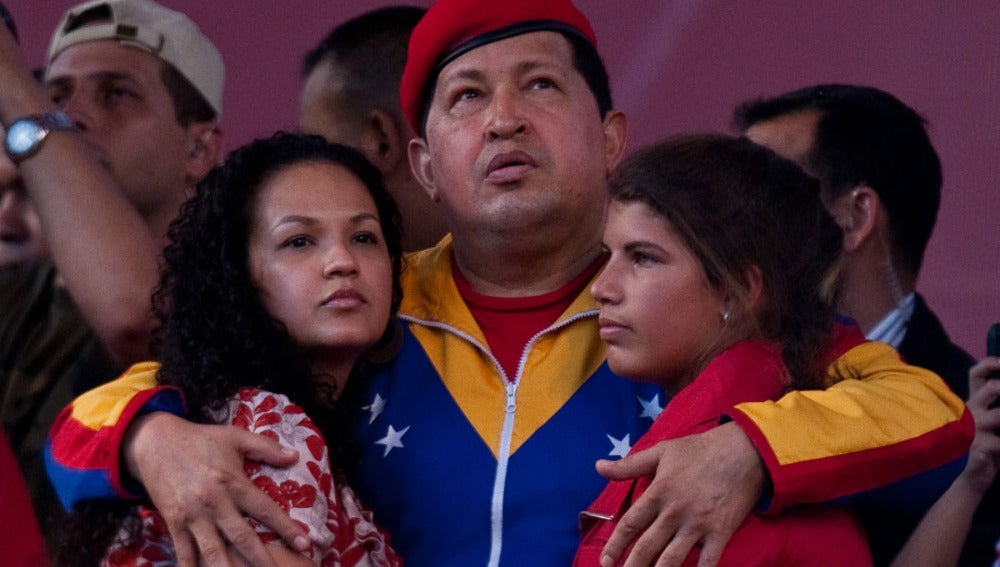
{"x":880,"y":421}
{"x":82,"y":453}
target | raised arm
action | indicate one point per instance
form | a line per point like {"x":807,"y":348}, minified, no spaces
{"x":104,"y":250}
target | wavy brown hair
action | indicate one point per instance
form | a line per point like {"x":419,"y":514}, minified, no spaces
{"x":736,"y":205}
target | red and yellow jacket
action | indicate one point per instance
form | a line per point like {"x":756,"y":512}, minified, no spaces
{"x":443,"y":411}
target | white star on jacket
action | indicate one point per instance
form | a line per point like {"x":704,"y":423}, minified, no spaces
{"x":376,"y":408}
{"x":392,"y":439}
{"x":652,"y":408}
{"x":620,"y":447}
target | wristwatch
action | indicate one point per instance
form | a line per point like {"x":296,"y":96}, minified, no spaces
{"x":25,"y":135}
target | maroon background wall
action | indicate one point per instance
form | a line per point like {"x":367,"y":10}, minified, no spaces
{"x":682,"y":66}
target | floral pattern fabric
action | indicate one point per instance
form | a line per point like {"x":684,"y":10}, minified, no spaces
{"x":342,"y":532}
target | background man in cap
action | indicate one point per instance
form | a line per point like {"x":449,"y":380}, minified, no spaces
{"x":351,"y":96}
{"x":106,"y":174}
{"x":881,"y":179}
{"x":478,"y":439}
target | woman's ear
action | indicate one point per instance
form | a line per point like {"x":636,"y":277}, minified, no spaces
{"x":746,"y":302}
{"x":753,"y":283}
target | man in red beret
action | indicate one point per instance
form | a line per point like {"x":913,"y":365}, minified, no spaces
{"x":478,"y":439}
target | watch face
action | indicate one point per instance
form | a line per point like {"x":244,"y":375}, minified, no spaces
{"x":22,"y":136}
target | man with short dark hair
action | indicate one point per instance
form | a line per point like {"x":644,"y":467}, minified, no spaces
{"x":151,"y":111}
{"x":129,"y":125}
{"x":351,"y":96}
{"x":881,"y":181}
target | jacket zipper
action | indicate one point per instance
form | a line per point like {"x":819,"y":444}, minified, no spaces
{"x":510,"y":409}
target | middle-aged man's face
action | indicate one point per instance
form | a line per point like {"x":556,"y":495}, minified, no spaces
{"x":21,"y":238}
{"x":116,"y":96}
{"x":514,"y":140}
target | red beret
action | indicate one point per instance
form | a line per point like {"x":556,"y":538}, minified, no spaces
{"x":454,"y":27}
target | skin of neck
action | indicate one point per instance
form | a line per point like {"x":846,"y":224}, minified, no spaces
{"x":872,"y":285}
{"x":528,"y":262}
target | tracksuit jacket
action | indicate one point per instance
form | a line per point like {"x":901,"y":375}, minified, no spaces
{"x":466,"y":466}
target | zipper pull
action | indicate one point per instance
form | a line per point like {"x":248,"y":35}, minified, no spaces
{"x":511,"y":404}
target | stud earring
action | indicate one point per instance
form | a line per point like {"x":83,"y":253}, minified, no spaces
{"x":725,"y":316}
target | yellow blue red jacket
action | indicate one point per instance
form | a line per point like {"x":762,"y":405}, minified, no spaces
{"x":466,"y":467}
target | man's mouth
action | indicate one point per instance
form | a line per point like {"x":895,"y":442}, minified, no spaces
{"x":509,"y":167}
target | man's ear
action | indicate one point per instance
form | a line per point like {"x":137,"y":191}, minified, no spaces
{"x":615,"y":138}
{"x":383,"y":141}
{"x":204,"y":150}
{"x":858,"y":216}
{"x":420,"y":165}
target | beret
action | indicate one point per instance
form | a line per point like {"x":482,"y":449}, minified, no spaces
{"x":452,"y":28}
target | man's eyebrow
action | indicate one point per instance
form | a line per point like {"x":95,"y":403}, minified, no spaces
{"x":522,"y":67}
{"x":465,"y":74}
{"x":534,"y":64}
{"x":100,"y":76}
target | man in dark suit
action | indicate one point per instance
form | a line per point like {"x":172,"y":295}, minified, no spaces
{"x":881,"y":181}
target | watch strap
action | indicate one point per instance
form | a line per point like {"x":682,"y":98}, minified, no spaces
{"x":45,"y":123}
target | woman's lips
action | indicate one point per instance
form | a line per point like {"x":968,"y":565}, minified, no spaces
{"x":343,"y":299}
{"x":611,"y":329}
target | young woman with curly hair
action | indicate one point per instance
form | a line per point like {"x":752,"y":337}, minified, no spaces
{"x":281,"y":276}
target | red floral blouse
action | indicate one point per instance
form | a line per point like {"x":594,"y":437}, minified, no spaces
{"x":342,"y":532}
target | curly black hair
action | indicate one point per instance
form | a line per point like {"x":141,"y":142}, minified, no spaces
{"x":214,"y":334}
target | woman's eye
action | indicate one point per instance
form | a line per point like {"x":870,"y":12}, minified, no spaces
{"x":297,"y":242}
{"x":542,"y":83}
{"x":640,"y":259}
{"x":366,"y":238}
